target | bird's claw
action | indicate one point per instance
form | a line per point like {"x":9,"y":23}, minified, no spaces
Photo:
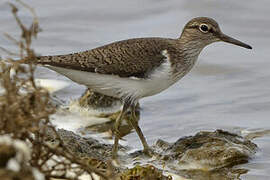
{"x":149,"y":152}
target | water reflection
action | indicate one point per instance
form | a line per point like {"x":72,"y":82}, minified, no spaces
{"x":109,"y":108}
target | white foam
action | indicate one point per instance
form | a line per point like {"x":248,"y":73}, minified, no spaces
{"x":74,"y":121}
{"x":52,"y":85}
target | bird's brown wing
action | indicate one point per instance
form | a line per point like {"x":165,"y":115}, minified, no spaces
{"x":128,"y":58}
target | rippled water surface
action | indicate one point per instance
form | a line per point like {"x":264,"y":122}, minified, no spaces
{"x":229,"y":88}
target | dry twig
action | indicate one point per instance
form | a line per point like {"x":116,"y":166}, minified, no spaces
{"x":25,"y":110}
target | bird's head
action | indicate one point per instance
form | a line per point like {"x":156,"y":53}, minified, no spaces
{"x":202,"y":31}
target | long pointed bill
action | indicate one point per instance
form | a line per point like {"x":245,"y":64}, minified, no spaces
{"x":231,"y":40}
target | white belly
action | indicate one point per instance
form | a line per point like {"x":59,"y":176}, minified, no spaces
{"x":119,"y":87}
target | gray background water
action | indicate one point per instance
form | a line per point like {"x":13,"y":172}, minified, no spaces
{"x":229,"y":88}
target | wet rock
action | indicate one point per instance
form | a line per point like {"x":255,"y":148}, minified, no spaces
{"x":80,"y":146}
{"x":206,"y":155}
{"x":209,"y":150}
{"x":219,"y":174}
{"x":147,"y":172}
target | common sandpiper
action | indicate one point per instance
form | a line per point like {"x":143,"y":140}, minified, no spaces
{"x":136,"y":68}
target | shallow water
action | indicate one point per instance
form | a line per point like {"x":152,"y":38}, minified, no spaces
{"x":229,"y":88}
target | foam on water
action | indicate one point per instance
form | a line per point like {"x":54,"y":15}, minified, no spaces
{"x":52,"y":85}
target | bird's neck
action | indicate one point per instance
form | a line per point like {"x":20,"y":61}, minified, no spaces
{"x":190,"y":48}
{"x":189,"y":42}
{"x":186,"y":57}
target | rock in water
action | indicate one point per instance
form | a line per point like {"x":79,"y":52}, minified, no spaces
{"x":206,"y":155}
{"x":211,"y":150}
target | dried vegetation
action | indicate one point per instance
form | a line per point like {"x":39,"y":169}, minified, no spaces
{"x":25,"y":109}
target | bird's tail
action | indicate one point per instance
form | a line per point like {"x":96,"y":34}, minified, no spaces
{"x":28,"y":60}
{"x":56,"y":60}
{"x":34,"y":60}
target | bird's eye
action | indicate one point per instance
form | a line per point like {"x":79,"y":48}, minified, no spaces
{"x":204,"y":28}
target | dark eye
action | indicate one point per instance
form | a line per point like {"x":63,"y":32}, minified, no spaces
{"x":204,"y":28}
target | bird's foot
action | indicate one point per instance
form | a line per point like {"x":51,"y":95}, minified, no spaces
{"x":149,"y":152}
{"x":115,"y":162}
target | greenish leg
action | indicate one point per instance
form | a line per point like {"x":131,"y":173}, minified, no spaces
{"x":116,"y":130}
{"x":134,"y":123}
